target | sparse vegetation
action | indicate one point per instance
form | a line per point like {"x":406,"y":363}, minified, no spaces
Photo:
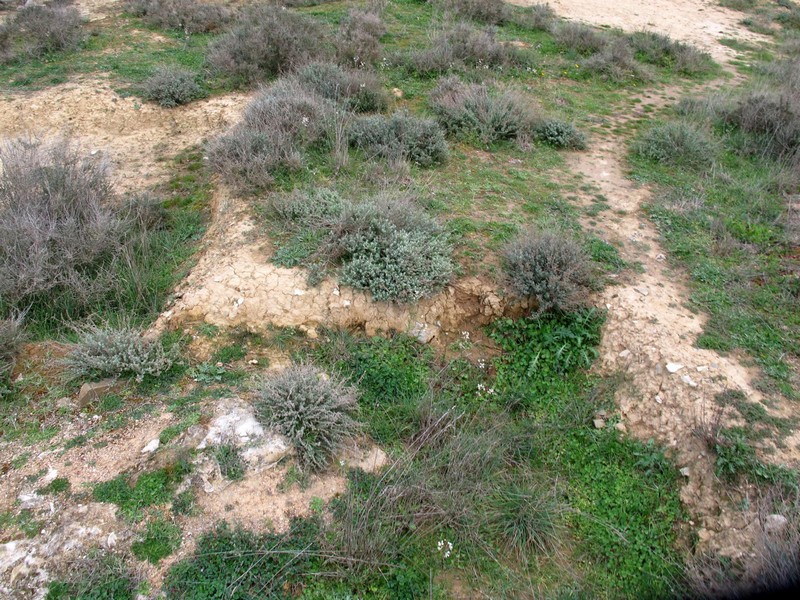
{"x":230,"y":462}
{"x":11,"y":337}
{"x":160,"y":539}
{"x":315,"y":411}
{"x":149,"y":488}
{"x":172,"y":86}
{"x":676,"y":143}
{"x":98,"y":577}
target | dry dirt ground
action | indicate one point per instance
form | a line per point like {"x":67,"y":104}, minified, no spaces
{"x":235,"y":284}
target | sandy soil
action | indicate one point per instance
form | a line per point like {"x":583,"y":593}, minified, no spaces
{"x":700,"y":22}
{"x":135,"y":137}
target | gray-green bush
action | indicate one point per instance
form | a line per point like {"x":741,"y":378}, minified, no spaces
{"x":356,"y":90}
{"x":477,"y":110}
{"x":188,"y":16}
{"x":400,"y":137}
{"x":579,"y":37}
{"x":658,"y":49}
{"x":358,"y":41}
{"x":315,"y":411}
{"x":676,"y":143}
{"x":266,"y":41}
{"x":35,"y":31}
{"x":277,"y":128}
{"x":490,"y":12}
{"x":462,"y":45}
{"x":58,"y":219}
{"x":104,"y":350}
{"x":173,"y":86}
{"x":615,"y":62}
{"x":550,"y":268}
{"x":560,"y":134}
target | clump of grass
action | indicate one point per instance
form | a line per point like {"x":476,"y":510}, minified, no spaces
{"x":59,"y":485}
{"x":358,"y":41}
{"x":550,"y":268}
{"x":315,"y":411}
{"x":230,"y":462}
{"x":160,"y":539}
{"x":188,"y":16}
{"x":772,"y":121}
{"x":267,"y":41}
{"x":150,"y":488}
{"x":172,"y":86}
{"x":477,"y":110}
{"x":279,"y":125}
{"x":525,"y":519}
{"x":400,"y":137}
{"x":103,"y":351}
{"x":356,"y":90}
{"x":676,"y":143}
{"x":462,"y":45}
{"x":37,"y":31}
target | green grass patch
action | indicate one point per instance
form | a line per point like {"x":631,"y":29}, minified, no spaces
{"x":160,"y":539}
{"x":151,"y":488}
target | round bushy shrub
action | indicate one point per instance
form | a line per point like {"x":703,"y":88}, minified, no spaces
{"x":356,"y":90}
{"x":103,"y":351}
{"x":477,"y":110}
{"x":358,"y":41}
{"x":267,"y":41}
{"x":39,"y":30}
{"x":313,"y":410}
{"x":58,"y":219}
{"x":172,"y":86}
{"x":188,"y":16}
{"x":400,"y":136}
{"x":560,"y":135}
{"x":676,"y":143}
{"x":549,"y":267}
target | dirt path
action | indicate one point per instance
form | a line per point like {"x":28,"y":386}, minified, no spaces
{"x":700,"y":22}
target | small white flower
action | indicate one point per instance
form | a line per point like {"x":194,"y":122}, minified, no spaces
{"x":305,"y":120}
{"x":445,"y":547}
{"x":481,"y":364}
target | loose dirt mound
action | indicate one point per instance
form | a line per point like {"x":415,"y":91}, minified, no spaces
{"x":700,"y":22}
{"x":136,"y":136}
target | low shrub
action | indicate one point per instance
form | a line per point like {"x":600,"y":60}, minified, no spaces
{"x":549,"y":267}
{"x":386,"y":244}
{"x":462,"y":45}
{"x":615,"y":62}
{"x":396,"y":264}
{"x":188,"y":16}
{"x":400,"y":137}
{"x":560,"y":134}
{"x":579,"y":37}
{"x":676,"y":143}
{"x":356,"y":90}
{"x":314,"y":410}
{"x":57,"y":219}
{"x":103,"y":351}
{"x":266,"y":41}
{"x":660,"y":50}
{"x":490,"y":12}
{"x":358,"y":40}
{"x":538,"y":17}
{"x":477,"y":110}
{"x":172,"y":86}
{"x":278,"y":126}
{"x":772,"y":119}
{"x":35,"y":31}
